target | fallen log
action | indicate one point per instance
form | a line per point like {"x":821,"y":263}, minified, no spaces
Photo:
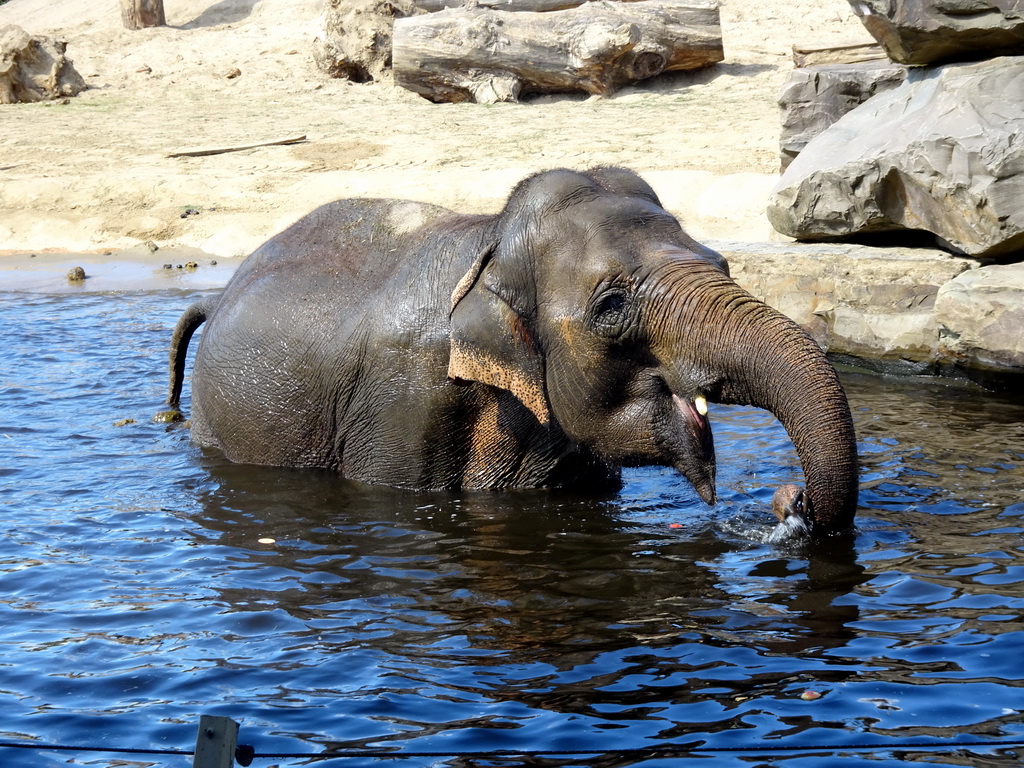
{"x":486,"y":56}
{"x":537,"y":6}
{"x":827,"y":55}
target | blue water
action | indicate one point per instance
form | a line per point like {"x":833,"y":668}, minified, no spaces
{"x":135,"y":594}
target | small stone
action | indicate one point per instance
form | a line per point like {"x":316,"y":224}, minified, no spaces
{"x":76,"y":274}
{"x":233,"y":73}
{"x":123,"y":422}
{"x":809,"y":695}
{"x":191,"y":266}
{"x":153,"y":247}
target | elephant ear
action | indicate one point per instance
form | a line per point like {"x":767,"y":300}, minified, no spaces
{"x":492,"y":343}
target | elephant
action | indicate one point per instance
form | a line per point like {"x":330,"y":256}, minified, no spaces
{"x":578,"y":331}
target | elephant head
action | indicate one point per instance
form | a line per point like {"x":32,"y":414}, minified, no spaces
{"x":591,"y":305}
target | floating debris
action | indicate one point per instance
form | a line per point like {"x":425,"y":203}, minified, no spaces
{"x":168,"y":417}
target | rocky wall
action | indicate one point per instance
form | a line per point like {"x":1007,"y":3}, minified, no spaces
{"x":906,"y":310}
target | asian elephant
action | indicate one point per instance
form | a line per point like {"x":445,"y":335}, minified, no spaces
{"x":577,"y":331}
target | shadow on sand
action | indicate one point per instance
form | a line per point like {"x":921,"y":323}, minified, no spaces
{"x":224,"y":12}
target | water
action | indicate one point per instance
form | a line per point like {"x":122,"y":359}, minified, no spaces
{"x":136,"y":595}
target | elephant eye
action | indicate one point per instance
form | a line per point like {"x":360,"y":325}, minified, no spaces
{"x":611,"y":304}
{"x":610,"y":311}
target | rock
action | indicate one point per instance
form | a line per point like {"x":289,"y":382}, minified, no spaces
{"x":355,"y":37}
{"x":940,"y":153}
{"x":869,"y":303}
{"x":76,"y":275}
{"x":34,"y":68}
{"x":931,"y":31}
{"x":981,"y":319}
{"x":815,"y":97}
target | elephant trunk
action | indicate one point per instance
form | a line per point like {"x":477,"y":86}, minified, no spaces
{"x":750,"y":354}
{"x":795,"y":381}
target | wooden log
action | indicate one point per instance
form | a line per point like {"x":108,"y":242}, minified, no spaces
{"x":822,"y":55}
{"x":535,"y":6}
{"x":140,"y":14}
{"x":482,"y":55}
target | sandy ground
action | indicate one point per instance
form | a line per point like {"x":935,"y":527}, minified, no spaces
{"x":92,"y":174}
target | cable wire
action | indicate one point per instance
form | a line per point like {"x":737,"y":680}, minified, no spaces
{"x":687,"y":747}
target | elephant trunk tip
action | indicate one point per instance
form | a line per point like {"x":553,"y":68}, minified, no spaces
{"x":792,"y":507}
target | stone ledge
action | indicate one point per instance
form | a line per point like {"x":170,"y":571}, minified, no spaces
{"x":903,"y":309}
{"x":980,"y":314}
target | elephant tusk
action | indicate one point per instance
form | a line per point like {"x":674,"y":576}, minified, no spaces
{"x":702,"y":405}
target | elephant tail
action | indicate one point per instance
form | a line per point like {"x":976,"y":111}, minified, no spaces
{"x":192,"y":318}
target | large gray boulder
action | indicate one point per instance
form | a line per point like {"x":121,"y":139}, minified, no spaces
{"x":942,"y":153}
{"x":34,"y":68}
{"x":931,"y":31}
{"x":981,"y":319}
{"x":815,"y":97}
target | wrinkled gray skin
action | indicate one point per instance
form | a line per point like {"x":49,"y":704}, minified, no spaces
{"x":547,"y":346}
